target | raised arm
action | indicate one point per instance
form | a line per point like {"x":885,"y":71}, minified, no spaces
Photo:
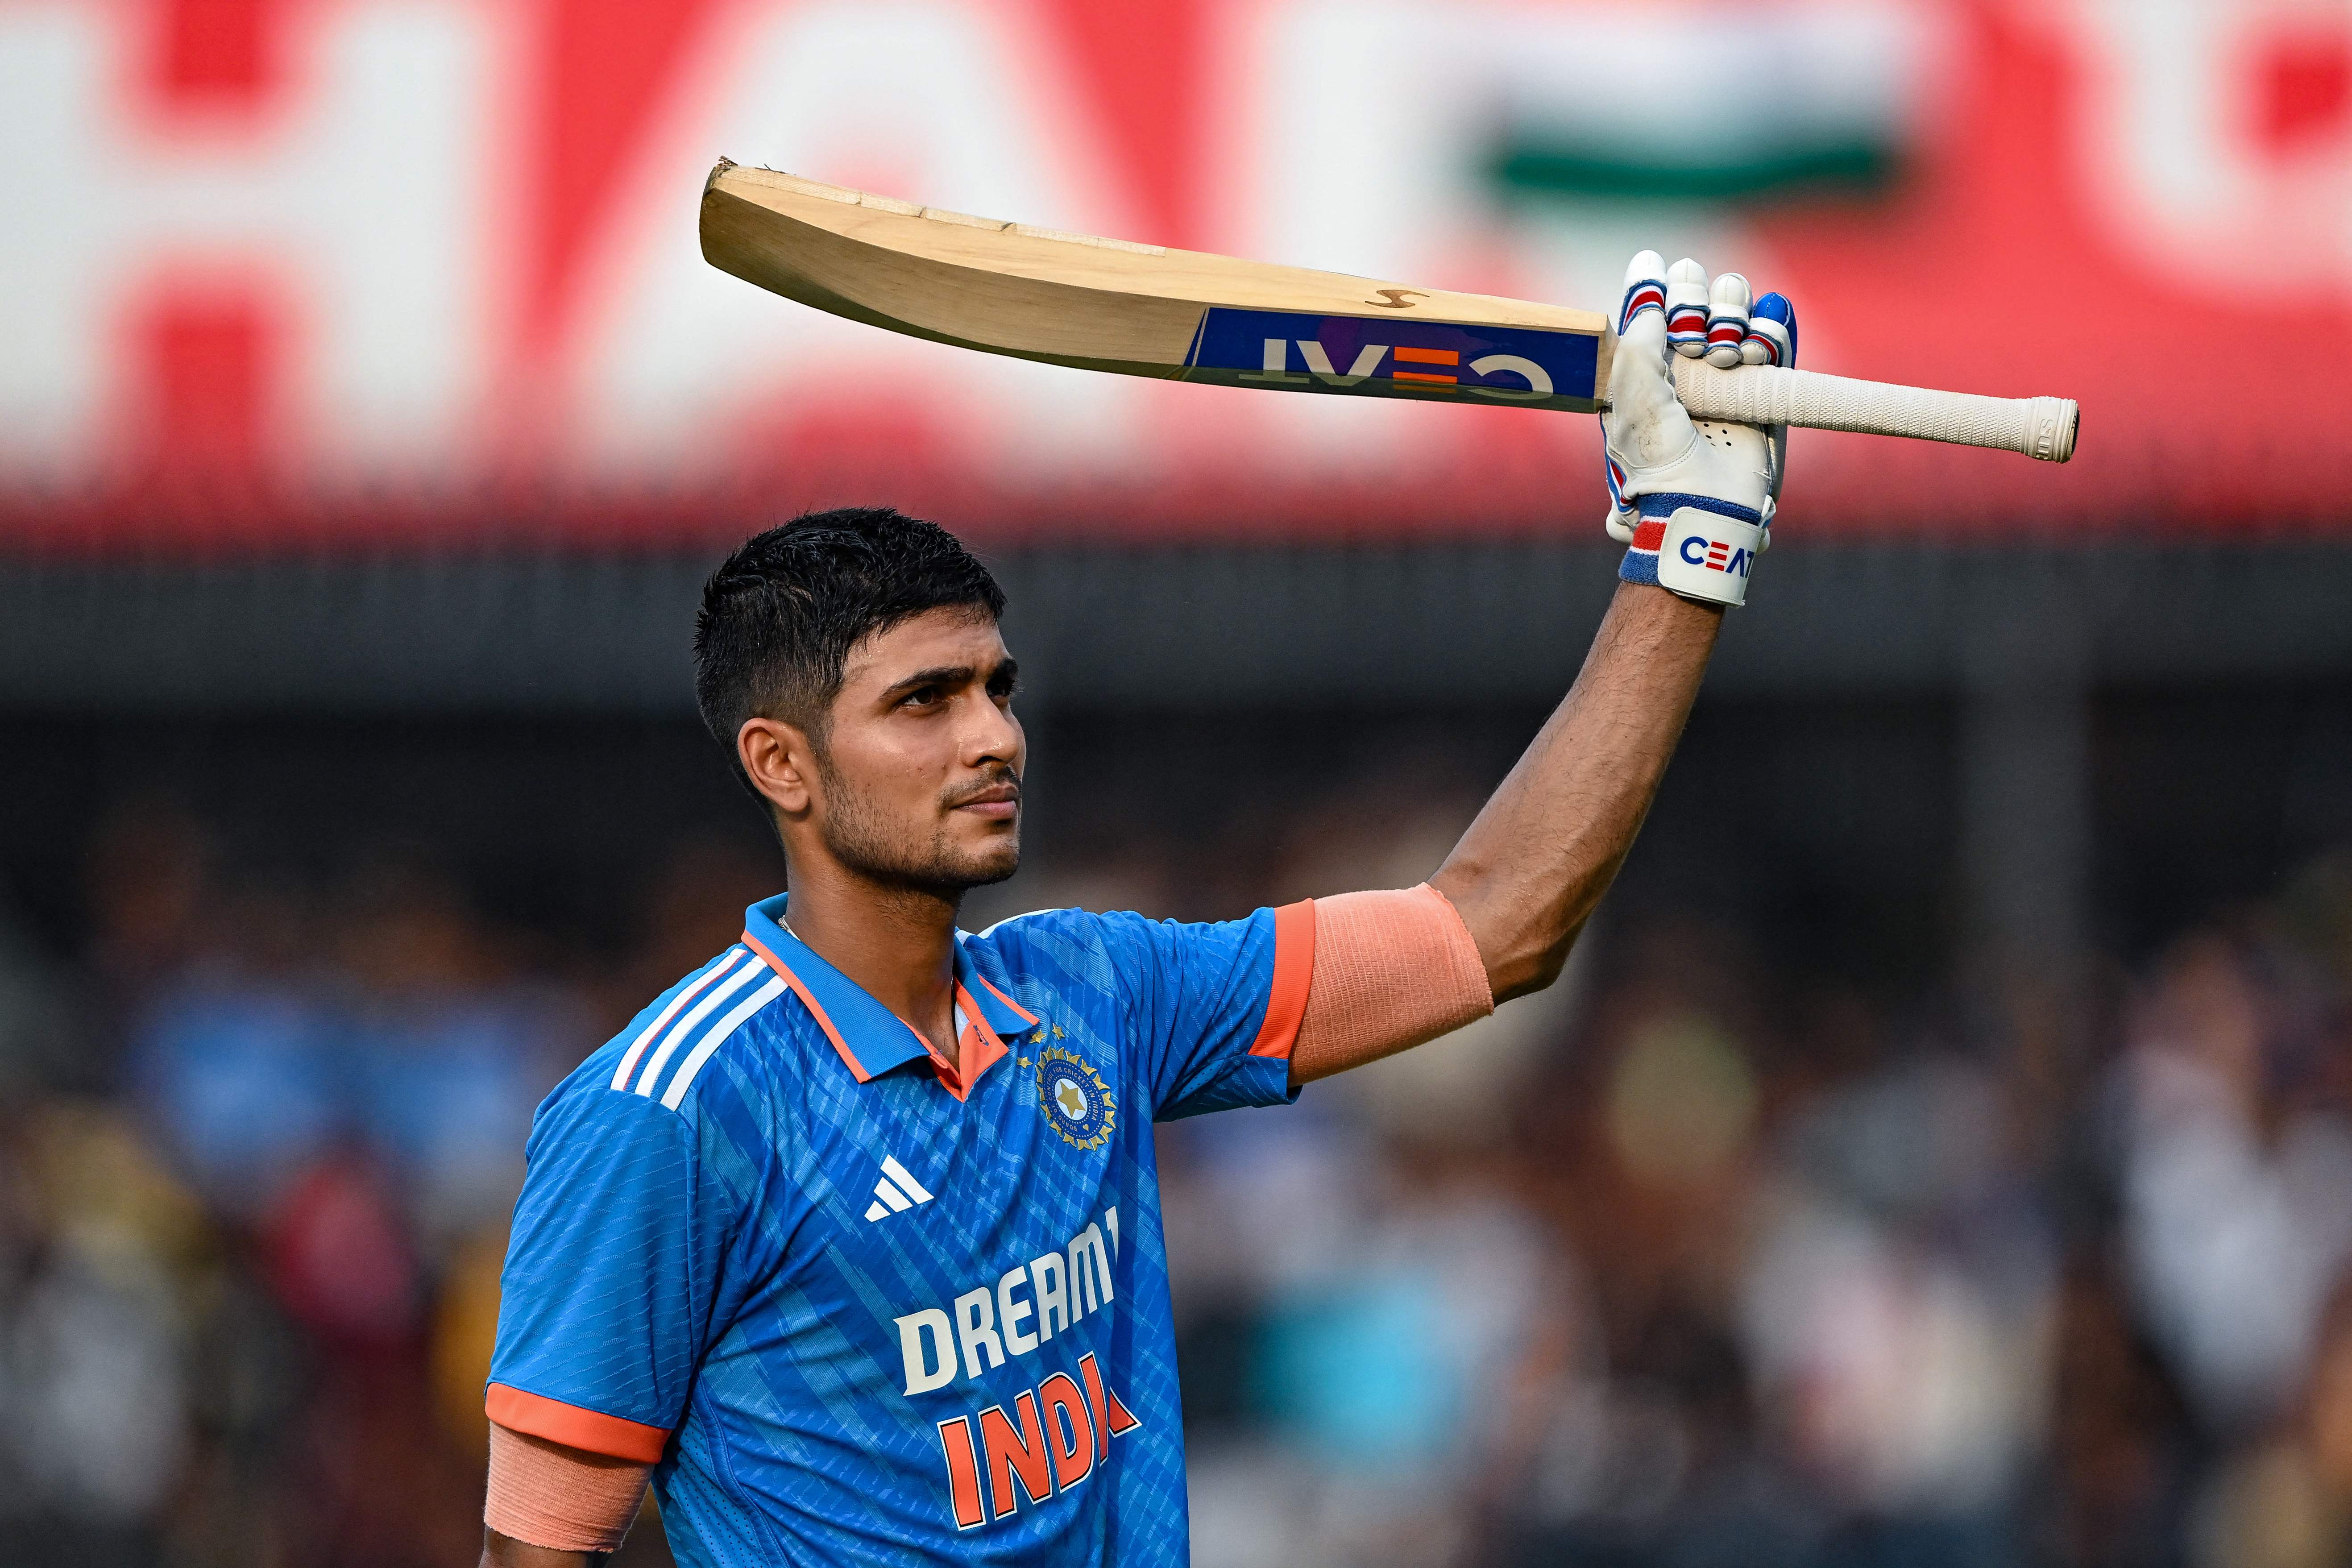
{"x":1694,"y":504}
{"x":1530,"y":870}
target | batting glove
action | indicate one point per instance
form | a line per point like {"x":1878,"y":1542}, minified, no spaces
{"x":1692,"y":500}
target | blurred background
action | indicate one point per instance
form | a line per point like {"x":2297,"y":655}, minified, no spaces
{"x":1939,"y":1151}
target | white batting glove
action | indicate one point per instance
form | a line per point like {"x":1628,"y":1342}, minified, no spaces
{"x":1692,"y":500}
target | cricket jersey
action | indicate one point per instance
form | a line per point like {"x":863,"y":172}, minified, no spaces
{"x":857,"y":1304}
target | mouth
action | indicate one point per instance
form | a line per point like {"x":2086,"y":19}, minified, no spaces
{"x":999,"y":802}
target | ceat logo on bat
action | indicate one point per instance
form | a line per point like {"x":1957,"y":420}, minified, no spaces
{"x":1715,"y":556}
{"x":1418,"y":359}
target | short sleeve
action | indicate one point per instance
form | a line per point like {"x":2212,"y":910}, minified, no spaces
{"x":605,"y":1301}
{"x":1213,"y":1010}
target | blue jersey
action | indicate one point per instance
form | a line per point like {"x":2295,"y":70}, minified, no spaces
{"x":857,"y":1305}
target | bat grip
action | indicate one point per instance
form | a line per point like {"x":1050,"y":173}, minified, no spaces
{"x":2041,"y":427}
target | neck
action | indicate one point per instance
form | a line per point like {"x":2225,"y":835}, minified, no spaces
{"x":898,"y":943}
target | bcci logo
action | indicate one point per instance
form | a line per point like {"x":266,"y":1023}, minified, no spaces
{"x":1074,"y":1098}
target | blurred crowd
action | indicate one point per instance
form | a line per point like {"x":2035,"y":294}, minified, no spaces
{"x":258,"y":1148}
{"x":1682,"y":1263}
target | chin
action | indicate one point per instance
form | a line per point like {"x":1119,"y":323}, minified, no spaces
{"x":987,"y":870}
{"x":970,"y":866}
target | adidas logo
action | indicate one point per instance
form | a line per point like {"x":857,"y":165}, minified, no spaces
{"x":897,"y":1192}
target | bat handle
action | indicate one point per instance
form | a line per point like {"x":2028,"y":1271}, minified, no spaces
{"x":2041,"y":427}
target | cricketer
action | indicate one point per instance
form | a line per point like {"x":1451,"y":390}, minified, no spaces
{"x":849,"y":1245}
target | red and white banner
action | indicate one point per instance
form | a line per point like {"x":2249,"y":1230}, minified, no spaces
{"x":293,"y":271}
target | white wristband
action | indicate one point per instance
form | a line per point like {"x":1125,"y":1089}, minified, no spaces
{"x":1707,"y":556}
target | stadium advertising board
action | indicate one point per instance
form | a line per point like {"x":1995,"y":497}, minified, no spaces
{"x":377,"y":271}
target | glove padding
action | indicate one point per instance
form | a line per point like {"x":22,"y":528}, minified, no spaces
{"x":1692,"y":500}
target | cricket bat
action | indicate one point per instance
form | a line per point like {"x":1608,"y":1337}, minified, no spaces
{"x":1182,"y":315}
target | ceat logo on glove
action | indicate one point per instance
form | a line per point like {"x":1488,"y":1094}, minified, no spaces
{"x":1716,"y":554}
{"x":1707,"y":556}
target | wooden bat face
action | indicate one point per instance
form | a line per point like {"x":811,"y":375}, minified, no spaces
{"x":1142,"y":310}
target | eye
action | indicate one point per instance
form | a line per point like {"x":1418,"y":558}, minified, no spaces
{"x":923,"y":696}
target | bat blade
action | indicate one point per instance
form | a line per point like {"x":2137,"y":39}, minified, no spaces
{"x":1181,"y":315}
{"x":1139,"y":310}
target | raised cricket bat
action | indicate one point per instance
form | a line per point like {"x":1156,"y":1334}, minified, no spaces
{"x":1184,"y":315}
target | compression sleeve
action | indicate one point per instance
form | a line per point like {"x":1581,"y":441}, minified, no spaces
{"x":566,"y":1500}
{"x":1391,"y":970}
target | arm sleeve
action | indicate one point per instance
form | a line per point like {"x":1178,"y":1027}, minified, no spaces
{"x":562,"y":1498}
{"x":1391,"y":970}
{"x":1212,"y":1010}
{"x":605,"y":1301}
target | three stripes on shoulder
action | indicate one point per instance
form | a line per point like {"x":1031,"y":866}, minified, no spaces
{"x":729,"y":992}
{"x":737,"y":987}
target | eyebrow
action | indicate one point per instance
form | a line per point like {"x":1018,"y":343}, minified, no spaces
{"x":937,"y":675}
{"x":950,"y":675}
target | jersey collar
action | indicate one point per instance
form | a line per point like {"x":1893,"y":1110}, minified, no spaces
{"x":868,"y":1036}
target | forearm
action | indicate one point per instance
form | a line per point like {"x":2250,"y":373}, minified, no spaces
{"x":1530,"y":870}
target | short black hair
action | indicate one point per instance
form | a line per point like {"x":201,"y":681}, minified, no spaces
{"x":781,"y":615}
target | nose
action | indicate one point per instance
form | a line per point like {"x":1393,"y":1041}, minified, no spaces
{"x":993,"y":735}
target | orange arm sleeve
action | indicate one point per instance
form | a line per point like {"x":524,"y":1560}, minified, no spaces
{"x":566,"y":1500}
{"x":1391,"y":970}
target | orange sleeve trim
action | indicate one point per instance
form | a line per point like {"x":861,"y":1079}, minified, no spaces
{"x":1293,"y":966}
{"x":573,"y":1427}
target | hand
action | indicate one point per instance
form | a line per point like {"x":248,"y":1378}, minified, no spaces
{"x":1694,"y":501}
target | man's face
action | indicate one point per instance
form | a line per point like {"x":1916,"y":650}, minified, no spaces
{"x":922,"y":761}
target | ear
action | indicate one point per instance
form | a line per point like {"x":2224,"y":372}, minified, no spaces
{"x":779,"y":762}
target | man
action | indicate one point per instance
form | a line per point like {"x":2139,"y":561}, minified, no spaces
{"x":851,"y":1242}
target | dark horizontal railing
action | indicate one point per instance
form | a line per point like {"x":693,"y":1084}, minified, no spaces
{"x":1182,"y":628}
